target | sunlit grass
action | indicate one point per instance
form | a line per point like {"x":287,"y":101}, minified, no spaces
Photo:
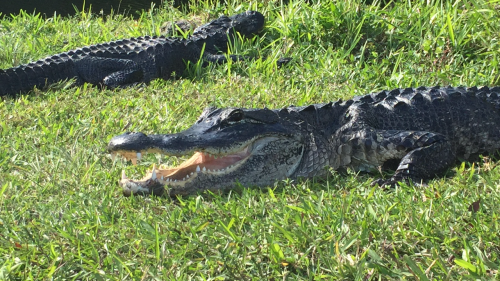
{"x":62,"y":215}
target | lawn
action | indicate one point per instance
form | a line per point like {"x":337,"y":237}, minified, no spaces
{"x":62,"y":214}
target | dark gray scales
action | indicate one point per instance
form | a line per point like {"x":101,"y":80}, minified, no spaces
{"x":426,"y":129}
{"x":127,"y":62}
{"x":423,"y":131}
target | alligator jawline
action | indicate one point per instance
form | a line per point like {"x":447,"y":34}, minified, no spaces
{"x":199,"y":163}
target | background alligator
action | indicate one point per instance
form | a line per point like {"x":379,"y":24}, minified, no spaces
{"x":424,"y":131}
{"x":130,"y":61}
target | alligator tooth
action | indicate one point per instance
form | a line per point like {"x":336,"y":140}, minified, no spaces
{"x":124,"y":177}
{"x":175,"y":180}
{"x":193,"y":173}
{"x":208,"y":170}
{"x":139,"y":156}
{"x":187,"y":176}
{"x":161,"y":178}
{"x":153,"y":173}
{"x":204,"y":169}
{"x":168,"y":179}
{"x":197,"y":169}
{"x":183,"y":179}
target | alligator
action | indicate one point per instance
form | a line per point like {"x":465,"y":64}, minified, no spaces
{"x":131,"y":61}
{"x":419,"y":133}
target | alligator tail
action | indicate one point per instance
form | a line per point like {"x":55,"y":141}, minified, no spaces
{"x":39,"y":74}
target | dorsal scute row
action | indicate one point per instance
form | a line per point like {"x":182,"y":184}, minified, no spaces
{"x":407,"y":96}
{"x":126,"y":48}
{"x":401,"y":96}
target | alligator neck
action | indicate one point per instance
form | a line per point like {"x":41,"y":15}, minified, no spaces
{"x":317,"y":124}
{"x":324,"y":118}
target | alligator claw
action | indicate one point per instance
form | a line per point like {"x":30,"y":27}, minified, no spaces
{"x":378,"y":182}
{"x":385,"y":184}
{"x":392,"y":183}
{"x":257,"y":147}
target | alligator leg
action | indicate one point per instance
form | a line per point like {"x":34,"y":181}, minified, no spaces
{"x":424,"y":163}
{"x":109,"y":72}
{"x":423,"y":154}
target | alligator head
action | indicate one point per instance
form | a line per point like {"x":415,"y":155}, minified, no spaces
{"x":216,"y":34}
{"x":247,"y":23}
{"x":252,"y":147}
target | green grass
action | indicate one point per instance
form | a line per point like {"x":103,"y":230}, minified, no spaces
{"x":62,"y":215}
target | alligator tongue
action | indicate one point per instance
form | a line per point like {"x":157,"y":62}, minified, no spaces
{"x":200,"y":161}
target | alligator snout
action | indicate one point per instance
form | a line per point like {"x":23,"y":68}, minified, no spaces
{"x":130,"y":141}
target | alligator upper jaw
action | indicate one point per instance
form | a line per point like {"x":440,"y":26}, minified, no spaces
{"x":200,"y":164}
{"x":133,"y":145}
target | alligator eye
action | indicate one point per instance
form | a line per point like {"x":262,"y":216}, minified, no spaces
{"x":235,"y":116}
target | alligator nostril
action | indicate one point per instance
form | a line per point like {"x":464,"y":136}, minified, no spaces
{"x":130,"y":141}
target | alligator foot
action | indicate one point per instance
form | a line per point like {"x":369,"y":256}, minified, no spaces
{"x":384,"y":184}
{"x":392,"y":183}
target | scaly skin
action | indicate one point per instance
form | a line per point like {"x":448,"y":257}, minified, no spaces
{"x":127,"y":62}
{"x":425,"y":131}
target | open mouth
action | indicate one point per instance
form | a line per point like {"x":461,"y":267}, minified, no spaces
{"x":199,"y":163}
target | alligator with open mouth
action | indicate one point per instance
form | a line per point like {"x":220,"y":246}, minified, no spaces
{"x":420,"y":132}
{"x":127,"y":62}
